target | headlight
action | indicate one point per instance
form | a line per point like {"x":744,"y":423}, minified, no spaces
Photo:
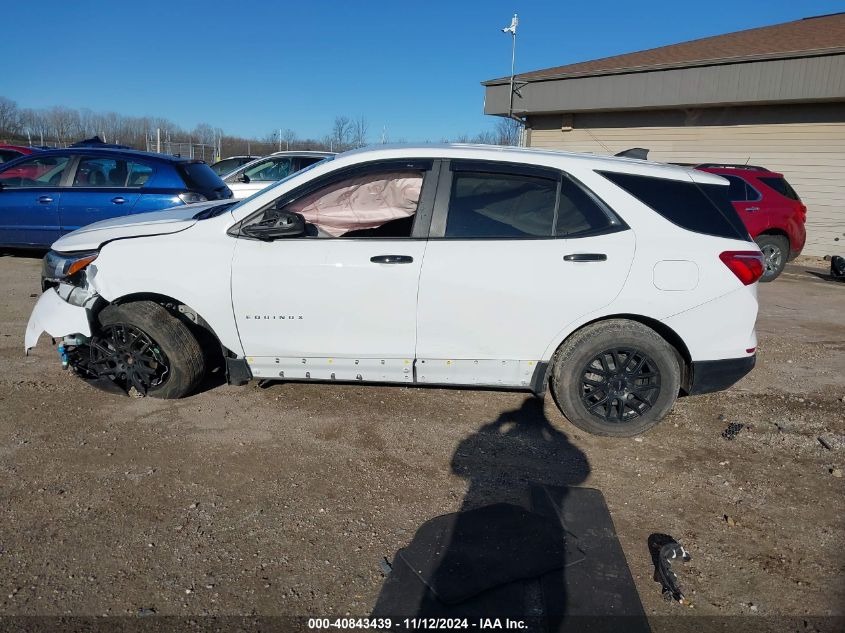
{"x":64,"y":267}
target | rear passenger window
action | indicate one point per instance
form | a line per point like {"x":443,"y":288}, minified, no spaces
{"x":581,"y":213}
{"x":110,"y":172}
{"x":699,"y":208}
{"x":496,"y":205}
{"x":740,"y":191}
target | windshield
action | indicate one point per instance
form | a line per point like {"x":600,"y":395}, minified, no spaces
{"x":280,"y":182}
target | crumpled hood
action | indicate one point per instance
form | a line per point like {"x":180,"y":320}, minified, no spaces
{"x":92,"y":236}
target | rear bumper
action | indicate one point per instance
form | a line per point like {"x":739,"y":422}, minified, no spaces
{"x":714,"y":375}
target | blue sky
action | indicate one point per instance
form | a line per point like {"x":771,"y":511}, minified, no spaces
{"x":251,"y":67}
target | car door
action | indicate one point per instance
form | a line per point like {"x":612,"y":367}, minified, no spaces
{"x":517,"y":253}
{"x":749,"y":204}
{"x":252,"y":178}
{"x":99,"y":189}
{"x":340,"y":302}
{"x":30,"y":192}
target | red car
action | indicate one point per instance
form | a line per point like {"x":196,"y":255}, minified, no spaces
{"x":11,"y":152}
{"x":771,"y":210}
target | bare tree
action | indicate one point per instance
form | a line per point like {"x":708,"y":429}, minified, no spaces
{"x":341,"y":133}
{"x":10,"y":122}
{"x":288,"y":138}
{"x":508,"y":132}
{"x":359,"y":131}
{"x":63,"y":123}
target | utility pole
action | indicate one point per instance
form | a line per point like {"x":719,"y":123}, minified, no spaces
{"x":158,"y":140}
{"x":280,"y":139}
{"x":512,"y":30}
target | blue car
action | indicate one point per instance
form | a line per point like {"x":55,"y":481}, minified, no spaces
{"x":45,"y":195}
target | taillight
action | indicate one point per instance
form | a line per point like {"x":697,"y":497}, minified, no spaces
{"x":802,"y":210}
{"x":746,"y":265}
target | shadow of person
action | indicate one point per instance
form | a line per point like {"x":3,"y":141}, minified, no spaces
{"x":514,"y":551}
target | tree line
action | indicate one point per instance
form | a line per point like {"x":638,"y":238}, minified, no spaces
{"x":60,"y":126}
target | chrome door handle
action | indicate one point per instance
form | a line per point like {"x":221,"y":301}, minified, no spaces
{"x":45,"y":199}
{"x":118,"y":200}
{"x":391,"y":259}
{"x":752,"y":208}
{"x":585,"y":257}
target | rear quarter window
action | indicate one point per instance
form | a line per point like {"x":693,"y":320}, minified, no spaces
{"x":696,"y":207}
{"x":199,"y":176}
{"x":782,"y":187}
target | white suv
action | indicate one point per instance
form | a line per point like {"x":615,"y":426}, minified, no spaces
{"x":620,"y":283}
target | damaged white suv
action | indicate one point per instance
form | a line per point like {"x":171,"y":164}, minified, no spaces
{"x":619,"y":283}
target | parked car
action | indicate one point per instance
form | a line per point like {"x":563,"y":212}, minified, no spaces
{"x":619,"y":283}
{"x":53,"y":192}
{"x":256,"y":175}
{"x":771,"y":210}
{"x":228,"y":165}
{"x":11,"y":152}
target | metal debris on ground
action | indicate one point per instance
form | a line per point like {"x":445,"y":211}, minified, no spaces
{"x":733,"y":430}
{"x":385,"y":565}
{"x":824,"y":443}
{"x":665,"y":550}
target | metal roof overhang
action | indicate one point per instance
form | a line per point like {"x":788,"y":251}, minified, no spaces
{"x":803,"y":78}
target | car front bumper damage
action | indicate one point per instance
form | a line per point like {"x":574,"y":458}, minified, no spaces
{"x":57,"y":317}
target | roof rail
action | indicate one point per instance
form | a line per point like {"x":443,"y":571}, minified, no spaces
{"x":733,"y":166}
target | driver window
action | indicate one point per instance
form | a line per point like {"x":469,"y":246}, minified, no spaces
{"x":44,"y":171}
{"x":269,"y":171}
{"x":376,"y":204}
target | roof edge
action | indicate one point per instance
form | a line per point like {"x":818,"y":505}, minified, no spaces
{"x":716,"y":61}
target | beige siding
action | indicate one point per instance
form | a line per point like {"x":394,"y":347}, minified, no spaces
{"x":810,"y":155}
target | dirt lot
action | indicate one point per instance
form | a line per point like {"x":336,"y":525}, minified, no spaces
{"x":243,"y":500}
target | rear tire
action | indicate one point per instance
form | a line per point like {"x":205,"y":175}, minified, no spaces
{"x":775,"y":253}
{"x":180,"y":363}
{"x":615,"y":378}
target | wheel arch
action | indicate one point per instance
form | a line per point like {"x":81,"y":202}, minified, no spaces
{"x":777,"y":232}
{"x":541,"y":381}
{"x":181,"y":310}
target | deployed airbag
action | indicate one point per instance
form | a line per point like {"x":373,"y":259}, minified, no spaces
{"x":365,"y":202}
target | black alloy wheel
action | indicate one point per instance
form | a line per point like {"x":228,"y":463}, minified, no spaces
{"x":620,"y":384}
{"x":128,"y":356}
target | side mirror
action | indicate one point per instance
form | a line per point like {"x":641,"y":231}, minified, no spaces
{"x":279,"y":225}
{"x":243,"y":178}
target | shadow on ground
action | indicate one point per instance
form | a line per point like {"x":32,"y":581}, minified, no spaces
{"x":527,"y":545}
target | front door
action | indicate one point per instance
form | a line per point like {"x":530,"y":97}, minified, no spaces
{"x":30,"y":193}
{"x":340,"y":302}
{"x":517,"y":254}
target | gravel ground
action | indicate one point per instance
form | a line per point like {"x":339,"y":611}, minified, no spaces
{"x":282,"y":500}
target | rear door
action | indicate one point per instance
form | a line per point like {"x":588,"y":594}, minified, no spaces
{"x":30,"y":192}
{"x":101,"y":187}
{"x":516,"y":254}
{"x":749,"y":204}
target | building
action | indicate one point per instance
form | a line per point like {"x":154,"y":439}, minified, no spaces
{"x":772,"y":96}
